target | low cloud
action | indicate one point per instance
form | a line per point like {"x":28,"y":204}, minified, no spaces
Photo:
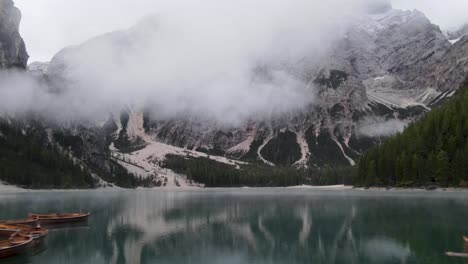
{"x":228,"y":61}
{"x":448,"y":14}
{"x":380,"y":128}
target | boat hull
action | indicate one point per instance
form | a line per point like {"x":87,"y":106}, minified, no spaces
{"x":16,"y":249}
{"x":60,"y":219}
{"x":37,"y":233}
{"x":29,"y":222}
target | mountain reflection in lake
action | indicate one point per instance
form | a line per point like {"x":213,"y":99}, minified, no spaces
{"x":249,"y":226}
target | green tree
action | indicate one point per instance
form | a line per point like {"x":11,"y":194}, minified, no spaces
{"x":442,"y":172}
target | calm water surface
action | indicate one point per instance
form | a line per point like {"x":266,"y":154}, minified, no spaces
{"x":248,"y":226}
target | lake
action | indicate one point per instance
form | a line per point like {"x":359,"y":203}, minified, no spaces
{"x":248,"y":226}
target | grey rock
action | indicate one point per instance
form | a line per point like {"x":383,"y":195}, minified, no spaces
{"x":38,"y":68}
{"x":12,"y":48}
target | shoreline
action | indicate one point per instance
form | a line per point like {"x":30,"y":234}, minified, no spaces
{"x":4,"y":189}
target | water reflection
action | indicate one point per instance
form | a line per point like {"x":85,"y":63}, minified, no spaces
{"x":378,"y":249}
{"x":256,"y":226}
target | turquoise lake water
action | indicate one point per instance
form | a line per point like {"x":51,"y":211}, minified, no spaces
{"x":248,"y":226}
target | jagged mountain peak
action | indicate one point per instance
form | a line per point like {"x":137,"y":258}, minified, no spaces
{"x":12,"y":48}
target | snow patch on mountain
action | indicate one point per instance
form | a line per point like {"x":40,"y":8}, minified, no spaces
{"x":244,"y":147}
{"x":428,"y":95}
{"x":118,"y":123}
{"x":148,"y":161}
{"x":135,"y":124}
{"x":346,"y":139}
{"x":378,"y":92}
{"x":350,"y":160}
{"x":305,"y":152}
{"x":452,"y":93}
{"x":259,"y":151}
{"x":453,"y":41}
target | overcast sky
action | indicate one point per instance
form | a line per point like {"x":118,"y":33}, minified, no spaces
{"x":50,"y":25}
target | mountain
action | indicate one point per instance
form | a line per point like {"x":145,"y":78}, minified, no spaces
{"x":37,"y":153}
{"x":389,"y":68}
{"x":432,"y":151}
{"x":12,"y":48}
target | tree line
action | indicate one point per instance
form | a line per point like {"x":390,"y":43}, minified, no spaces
{"x":215,"y":174}
{"x":27,"y":162}
{"x":432,"y":151}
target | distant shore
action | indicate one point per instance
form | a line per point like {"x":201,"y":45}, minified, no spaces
{"x":415,"y":189}
{"x":5,"y":188}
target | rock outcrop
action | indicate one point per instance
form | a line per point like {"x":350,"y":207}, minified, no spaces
{"x":12,"y":48}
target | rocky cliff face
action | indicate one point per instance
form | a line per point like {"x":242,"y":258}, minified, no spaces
{"x":86,"y":143}
{"x":12,"y":49}
{"x":390,"y":67}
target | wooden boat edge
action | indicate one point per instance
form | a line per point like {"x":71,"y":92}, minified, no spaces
{"x":29,"y":240}
{"x":38,"y":216}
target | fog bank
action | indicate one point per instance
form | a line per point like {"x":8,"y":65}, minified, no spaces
{"x":222,"y":60}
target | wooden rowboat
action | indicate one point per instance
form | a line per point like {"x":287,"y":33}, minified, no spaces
{"x":15,"y":245}
{"x":36,"y":233}
{"x":60,"y":218}
{"x":30,"y":221}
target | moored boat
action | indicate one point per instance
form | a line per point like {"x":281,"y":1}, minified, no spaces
{"x":15,"y":245}
{"x":60,"y":218}
{"x":36,"y":232}
{"x":29,"y":221}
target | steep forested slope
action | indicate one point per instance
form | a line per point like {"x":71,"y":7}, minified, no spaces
{"x":433,"y":151}
{"x":28,"y":162}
